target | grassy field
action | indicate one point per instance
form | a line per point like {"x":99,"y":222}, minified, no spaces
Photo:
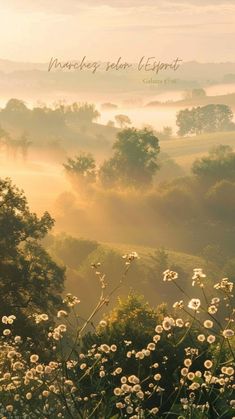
{"x":144,"y":277}
{"x":185,"y":150}
{"x":188,"y":261}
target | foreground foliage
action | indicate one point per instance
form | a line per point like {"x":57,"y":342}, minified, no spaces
{"x":30,"y":281}
{"x":138,"y":363}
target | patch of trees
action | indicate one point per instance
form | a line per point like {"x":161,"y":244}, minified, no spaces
{"x":209,"y":118}
{"x":195,"y":94}
{"x":202,"y":205}
{"x":134,"y":161}
{"x":79,"y":113}
{"x":187,"y":212}
{"x":16,"y":109}
{"x":15,"y":145}
{"x":47,"y":123}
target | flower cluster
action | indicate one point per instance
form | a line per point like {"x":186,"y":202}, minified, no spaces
{"x":184,"y":368}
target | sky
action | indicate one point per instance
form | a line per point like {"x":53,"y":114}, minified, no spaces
{"x":35,"y":31}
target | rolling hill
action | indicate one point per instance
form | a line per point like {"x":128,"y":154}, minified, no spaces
{"x":185,"y":150}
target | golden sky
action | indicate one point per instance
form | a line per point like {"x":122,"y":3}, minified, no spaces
{"x":202,"y":30}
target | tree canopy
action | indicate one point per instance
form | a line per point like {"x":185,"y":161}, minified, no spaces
{"x":134,"y":162}
{"x":209,"y":118}
{"x":83,"y":166}
{"x":218,"y":165}
{"x":122,"y":120}
{"x":30,"y":281}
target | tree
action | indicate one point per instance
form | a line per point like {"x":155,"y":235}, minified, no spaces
{"x":82,"y":166}
{"x":81,"y":113}
{"x":30,"y":281}
{"x":122,"y":120}
{"x":24,"y":144}
{"x":167,"y":132}
{"x":15,"y":105}
{"x":185,"y":121}
{"x":209,"y":118}
{"x":4,"y":136}
{"x":12,"y":147}
{"x":220,"y":199}
{"x":110,"y":124}
{"x":194,"y":94}
{"x":15,"y":114}
{"x":169,"y":169}
{"x":134,"y":162}
{"x":198,"y":93}
{"x":218,"y":165}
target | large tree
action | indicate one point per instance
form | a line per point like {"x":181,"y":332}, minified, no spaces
{"x":134,"y":162}
{"x":30,"y":281}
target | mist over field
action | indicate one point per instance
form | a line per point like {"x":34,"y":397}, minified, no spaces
{"x":117,"y":203}
{"x":48,"y":152}
{"x":113,"y":204}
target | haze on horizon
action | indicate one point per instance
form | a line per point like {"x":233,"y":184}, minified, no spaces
{"x":106,"y":29}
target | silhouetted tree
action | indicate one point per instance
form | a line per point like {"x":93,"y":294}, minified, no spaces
{"x":122,"y":120}
{"x":134,"y":162}
{"x":82,"y":166}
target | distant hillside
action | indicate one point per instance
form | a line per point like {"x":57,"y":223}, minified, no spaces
{"x":207,"y":71}
{"x":8,"y":66}
{"x":32,"y":79}
{"x":228,"y":99}
{"x":184,"y":260}
{"x":190,"y":70}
